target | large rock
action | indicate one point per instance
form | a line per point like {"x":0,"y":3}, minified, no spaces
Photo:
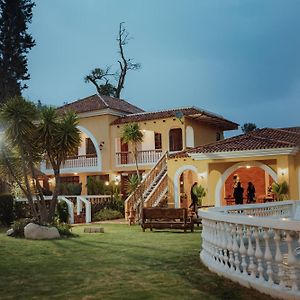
{"x":37,"y":232}
{"x":10,"y":232}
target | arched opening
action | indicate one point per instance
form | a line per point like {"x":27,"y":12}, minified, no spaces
{"x":261,"y":175}
{"x":189,"y":134}
{"x":183,"y":181}
{"x":89,"y":147}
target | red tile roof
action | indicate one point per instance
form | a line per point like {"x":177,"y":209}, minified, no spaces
{"x":200,"y":115}
{"x":98,"y":102}
{"x":266,"y":138}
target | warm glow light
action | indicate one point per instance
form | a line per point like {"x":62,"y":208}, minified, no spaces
{"x":181,"y":182}
{"x":106,"y":183}
{"x":144,"y":130}
{"x":116,"y":183}
{"x":75,"y":173}
{"x":248,"y":167}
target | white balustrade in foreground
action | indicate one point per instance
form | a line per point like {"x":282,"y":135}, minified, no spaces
{"x":257,"y":245}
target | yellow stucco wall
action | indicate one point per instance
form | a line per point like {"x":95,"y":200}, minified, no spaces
{"x":203,"y":134}
{"x":99,"y":126}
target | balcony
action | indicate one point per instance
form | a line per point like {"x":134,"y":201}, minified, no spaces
{"x":146,"y":157}
{"x":88,"y":162}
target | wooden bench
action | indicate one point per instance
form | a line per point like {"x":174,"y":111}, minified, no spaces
{"x":166,"y":218}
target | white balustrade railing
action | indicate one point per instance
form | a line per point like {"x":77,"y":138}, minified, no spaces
{"x":80,"y":161}
{"x":144,"y":157}
{"x":255,"y":245}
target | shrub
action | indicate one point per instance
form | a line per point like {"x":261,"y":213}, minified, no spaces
{"x":107,"y":214}
{"x":62,"y":212}
{"x":64,"y":229}
{"x":71,"y":189}
{"x":6,"y":209}
{"x":18,"y":227}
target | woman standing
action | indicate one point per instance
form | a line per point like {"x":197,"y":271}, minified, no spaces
{"x":250,"y":192}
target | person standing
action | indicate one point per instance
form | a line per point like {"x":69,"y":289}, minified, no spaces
{"x":250,"y":192}
{"x":238,"y":194}
{"x":194,"y":199}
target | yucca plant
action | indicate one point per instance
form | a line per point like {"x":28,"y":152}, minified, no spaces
{"x":280,"y":190}
{"x":200,"y":192}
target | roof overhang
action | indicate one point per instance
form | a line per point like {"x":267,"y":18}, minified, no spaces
{"x":243,"y":154}
{"x":101,"y":112}
{"x":214,"y":121}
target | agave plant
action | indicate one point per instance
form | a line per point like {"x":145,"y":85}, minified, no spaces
{"x":280,"y":190}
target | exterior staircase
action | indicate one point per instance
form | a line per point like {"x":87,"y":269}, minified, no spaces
{"x":152,"y":190}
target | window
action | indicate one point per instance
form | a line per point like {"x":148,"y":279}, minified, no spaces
{"x":89,"y":147}
{"x":157,"y":140}
{"x":189,"y":135}
{"x":218,"y":136}
{"x":69,"y":179}
{"x":175,"y":139}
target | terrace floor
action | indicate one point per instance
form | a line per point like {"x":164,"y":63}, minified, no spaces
{"x":122,"y":263}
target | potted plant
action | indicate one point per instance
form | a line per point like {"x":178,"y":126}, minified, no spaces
{"x":280,"y":190}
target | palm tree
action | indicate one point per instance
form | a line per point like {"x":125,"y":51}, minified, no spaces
{"x":19,"y":149}
{"x":132,"y":134}
{"x":59,"y":137}
{"x":30,"y":137}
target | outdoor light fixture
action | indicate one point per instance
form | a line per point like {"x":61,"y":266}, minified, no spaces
{"x":202,"y":175}
{"x":106,"y":183}
{"x":248,"y":167}
{"x":75,"y":173}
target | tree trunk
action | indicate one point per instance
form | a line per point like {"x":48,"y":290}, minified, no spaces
{"x":54,"y":197}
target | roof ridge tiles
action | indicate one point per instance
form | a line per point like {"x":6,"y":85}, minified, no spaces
{"x":102,"y":100}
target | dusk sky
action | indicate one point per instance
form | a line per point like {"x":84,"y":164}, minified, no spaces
{"x":240,"y":59}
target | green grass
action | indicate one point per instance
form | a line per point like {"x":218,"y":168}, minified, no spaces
{"x":122,"y":263}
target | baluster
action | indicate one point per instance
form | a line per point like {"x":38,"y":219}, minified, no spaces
{"x":230,"y":246}
{"x":219,"y":241}
{"x":235,"y":249}
{"x":258,"y":254}
{"x":278,"y":258}
{"x":291,"y":261}
{"x":250,"y":252}
{"x":242,"y":249}
{"x":268,"y":256}
{"x":225,"y":245}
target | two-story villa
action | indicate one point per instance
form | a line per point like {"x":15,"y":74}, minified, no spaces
{"x":102,"y":152}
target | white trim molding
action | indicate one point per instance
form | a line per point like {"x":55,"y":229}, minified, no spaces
{"x":176,"y":180}
{"x":233,"y":168}
{"x":245,"y":153}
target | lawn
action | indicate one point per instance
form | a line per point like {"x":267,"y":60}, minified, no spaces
{"x":122,"y":263}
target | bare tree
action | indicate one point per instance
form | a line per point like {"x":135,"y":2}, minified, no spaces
{"x":125,"y":64}
{"x":100,"y":78}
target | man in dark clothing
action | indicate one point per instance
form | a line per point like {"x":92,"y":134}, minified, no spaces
{"x":238,"y":194}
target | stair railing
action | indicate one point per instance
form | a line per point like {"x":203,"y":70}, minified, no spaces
{"x":158,"y":192}
{"x":135,"y":198}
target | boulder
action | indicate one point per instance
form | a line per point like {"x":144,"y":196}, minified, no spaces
{"x":10,"y":232}
{"x":37,"y":232}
